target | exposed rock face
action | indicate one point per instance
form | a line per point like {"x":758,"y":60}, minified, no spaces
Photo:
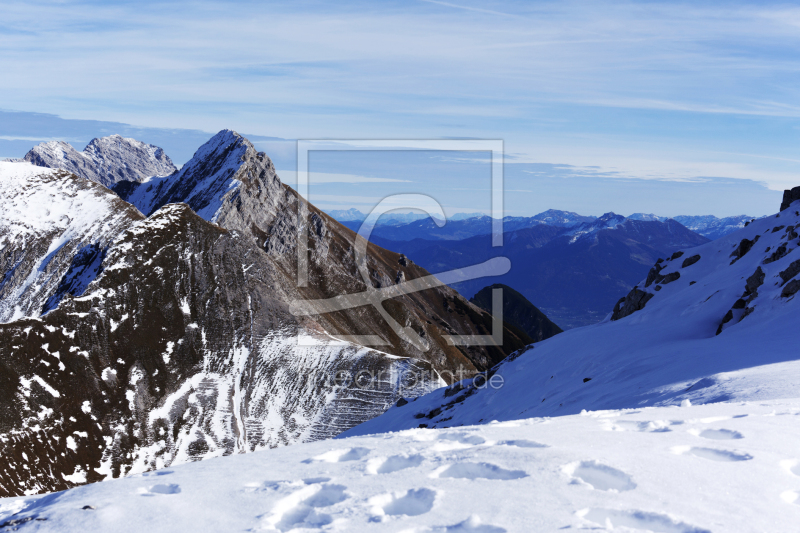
{"x":740,"y":308}
{"x":173,"y":338}
{"x":745,"y":245}
{"x":789,"y":196}
{"x":791,"y":288}
{"x":790,"y":272}
{"x":54,"y":230}
{"x":689,"y":261}
{"x":105,"y":160}
{"x":189,"y":358}
{"x":634,"y":301}
{"x":518,"y":312}
{"x":754,"y":282}
{"x":231,"y":184}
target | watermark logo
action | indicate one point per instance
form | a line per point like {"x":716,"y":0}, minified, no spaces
{"x":375,"y":297}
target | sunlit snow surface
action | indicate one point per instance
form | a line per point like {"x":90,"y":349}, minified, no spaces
{"x":722,"y":467}
{"x":661,"y":355}
{"x":48,"y":218}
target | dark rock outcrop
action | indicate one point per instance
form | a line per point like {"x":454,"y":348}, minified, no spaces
{"x":779,"y":253}
{"x":754,"y":282}
{"x":689,"y":261}
{"x":634,"y":301}
{"x":744,"y":246}
{"x":789,"y":196}
{"x":741,"y":307}
{"x":669,"y":278}
{"x":518,"y":312}
{"x":791,"y":271}
{"x":791,"y":288}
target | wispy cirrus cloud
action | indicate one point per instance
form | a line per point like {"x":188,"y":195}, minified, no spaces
{"x":660,"y":90}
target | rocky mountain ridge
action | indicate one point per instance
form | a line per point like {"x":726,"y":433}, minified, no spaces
{"x":105,"y":160}
{"x":180,"y":343}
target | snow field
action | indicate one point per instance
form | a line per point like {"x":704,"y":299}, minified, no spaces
{"x":720,"y":467}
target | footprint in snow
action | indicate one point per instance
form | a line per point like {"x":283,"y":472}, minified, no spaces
{"x":638,"y":520}
{"x":170,"y":488}
{"x":477,"y":471}
{"x":387,"y":465}
{"x":301,"y":509}
{"x":339,"y":456}
{"x":599,"y":476}
{"x":414,"y":502}
{"x":717,"y":434}
{"x":792,"y":466}
{"x":455,"y":441}
{"x":791,"y":496}
{"x":522,"y":443}
{"x":283,"y":486}
{"x":157,"y":473}
{"x":655,"y":426}
{"x":472,"y":524}
{"x":712,"y":454}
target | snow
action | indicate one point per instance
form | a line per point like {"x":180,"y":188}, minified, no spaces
{"x":664,"y":354}
{"x":723,"y":467}
{"x":202,"y":183}
{"x":50,"y":215}
{"x":607,"y":221}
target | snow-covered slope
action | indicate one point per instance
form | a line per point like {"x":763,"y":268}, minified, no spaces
{"x":728,"y":467}
{"x":713,"y":227}
{"x":54,"y":231}
{"x":647,"y":217}
{"x":554,"y":217}
{"x":716,"y":322}
{"x":706,"y":225}
{"x":105,"y":160}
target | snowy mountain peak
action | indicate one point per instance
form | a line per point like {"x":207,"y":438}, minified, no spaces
{"x":647,"y":217}
{"x":609,"y":220}
{"x":554,"y":217}
{"x":105,"y":160}
{"x":214,"y":173}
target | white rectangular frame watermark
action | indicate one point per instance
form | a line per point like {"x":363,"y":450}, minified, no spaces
{"x":493,"y":146}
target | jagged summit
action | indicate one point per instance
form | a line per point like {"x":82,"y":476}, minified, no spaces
{"x":105,"y":160}
{"x":212,"y":176}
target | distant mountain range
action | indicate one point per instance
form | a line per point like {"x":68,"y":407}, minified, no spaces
{"x":706,"y":225}
{"x":415,"y":226}
{"x":574,"y":274}
{"x":712,"y":323}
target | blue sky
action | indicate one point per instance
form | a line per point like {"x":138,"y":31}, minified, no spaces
{"x":675,"y":108}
